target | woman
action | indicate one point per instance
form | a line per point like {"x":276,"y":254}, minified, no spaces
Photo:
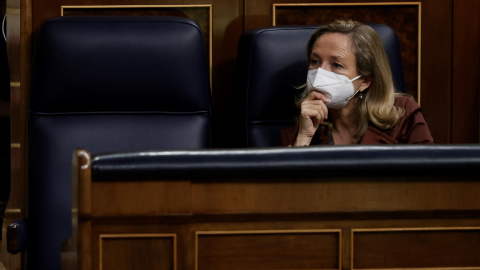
{"x":349,"y":97}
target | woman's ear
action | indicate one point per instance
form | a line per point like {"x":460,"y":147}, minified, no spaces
{"x":365,"y":83}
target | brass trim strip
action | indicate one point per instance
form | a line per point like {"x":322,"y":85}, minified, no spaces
{"x":138,"y":235}
{"x":340,"y":253}
{"x":351,"y":248}
{"x":302,"y":231}
{"x":418,"y":4}
{"x":341,"y":4}
{"x":14,"y":84}
{"x":13,"y":211}
{"x":267,"y":231}
{"x":416,"y":229}
{"x":196,"y":252}
{"x":15,"y":145}
{"x":352,"y":231}
{"x":13,"y":11}
{"x":424,"y":268}
{"x":131,"y":6}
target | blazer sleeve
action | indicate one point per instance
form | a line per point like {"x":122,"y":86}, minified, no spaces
{"x":413,"y":127}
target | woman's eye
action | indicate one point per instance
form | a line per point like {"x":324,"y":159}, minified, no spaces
{"x":314,"y":62}
{"x":337,"y":65}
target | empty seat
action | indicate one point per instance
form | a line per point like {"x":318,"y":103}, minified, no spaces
{"x":107,"y":84}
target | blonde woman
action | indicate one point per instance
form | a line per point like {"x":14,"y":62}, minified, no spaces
{"x":349,"y":97}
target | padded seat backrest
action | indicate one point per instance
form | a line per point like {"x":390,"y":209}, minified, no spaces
{"x":271,"y":63}
{"x":107,"y":84}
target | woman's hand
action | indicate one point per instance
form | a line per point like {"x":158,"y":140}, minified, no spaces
{"x":313,"y":112}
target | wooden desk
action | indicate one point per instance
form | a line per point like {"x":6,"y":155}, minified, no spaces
{"x":265,"y":213}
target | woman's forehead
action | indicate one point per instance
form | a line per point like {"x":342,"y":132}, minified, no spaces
{"x":334,"y":43}
{"x":334,"y":40}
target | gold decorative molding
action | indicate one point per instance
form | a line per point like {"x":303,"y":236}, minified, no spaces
{"x":15,"y":145}
{"x":258,"y":232}
{"x":13,"y":11}
{"x":133,"y":6}
{"x":409,"y":229}
{"x":14,"y":84}
{"x":210,"y":19}
{"x":416,"y":229}
{"x":418,"y":4}
{"x":13,"y":211}
{"x":198,"y":233}
{"x":138,"y":235}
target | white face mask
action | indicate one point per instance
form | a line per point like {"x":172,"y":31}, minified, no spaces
{"x":337,"y":88}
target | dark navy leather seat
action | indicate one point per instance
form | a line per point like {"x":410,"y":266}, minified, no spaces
{"x":107,"y":84}
{"x":271,"y":63}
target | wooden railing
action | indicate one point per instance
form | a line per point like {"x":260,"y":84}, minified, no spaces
{"x":373,"y":207}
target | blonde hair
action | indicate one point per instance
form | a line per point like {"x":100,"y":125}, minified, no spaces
{"x":377,"y":105}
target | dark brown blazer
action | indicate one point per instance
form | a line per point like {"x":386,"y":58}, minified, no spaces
{"x":412,"y":128}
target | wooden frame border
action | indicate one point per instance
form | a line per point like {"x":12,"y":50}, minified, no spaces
{"x":410,"y":230}
{"x":210,"y":20}
{"x":296,"y":231}
{"x":418,"y":4}
{"x":137,"y":235}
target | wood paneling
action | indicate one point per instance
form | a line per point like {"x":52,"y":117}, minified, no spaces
{"x":290,"y":223}
{"x":141,"y":198}
{"x":466,"y":71}
{"x":268,"y":250}
{"x":184,"y":197}
{"x":436,"y":83}
{"x":298,"y":195}
{"x":137,"y":251}
{"x":416,"y":248}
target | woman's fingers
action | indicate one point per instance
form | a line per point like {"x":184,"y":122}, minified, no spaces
{"x":312,"y":117}
{"x":315,"y":95}
{"x":316,"y":105}
{"x":313,"y":113}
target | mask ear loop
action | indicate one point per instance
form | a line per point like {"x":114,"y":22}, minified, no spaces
{"x":355,"y":78}
{"x":361,"y":95}
{"x":355,"y":94}
{"x":3,"y":27}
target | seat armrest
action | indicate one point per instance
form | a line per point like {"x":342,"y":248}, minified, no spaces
{"x":17,"y":236}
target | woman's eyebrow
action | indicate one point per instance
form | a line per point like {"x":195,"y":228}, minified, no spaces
{"x":339,"y":57}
